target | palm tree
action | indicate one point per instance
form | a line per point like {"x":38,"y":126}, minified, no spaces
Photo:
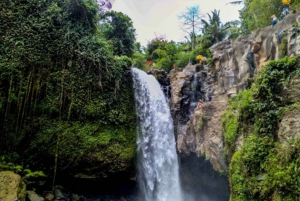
{"x":213,"y":30}
{"x":213,"y":19}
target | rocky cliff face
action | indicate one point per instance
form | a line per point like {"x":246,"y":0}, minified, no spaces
{"x":235,"y":63}
{"x":289,"y":127}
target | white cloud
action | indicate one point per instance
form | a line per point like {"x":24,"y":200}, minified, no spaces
{"x":159,"y":17}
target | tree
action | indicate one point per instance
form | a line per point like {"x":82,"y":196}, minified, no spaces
{"x":118,"y":28}
{"x":162,"y":53}
{"x":213,"y":19}
{"x":257,"y":14}
{"x":154,"y":46}
{"x":234,"y":31}
{"x":213,"y":30}
{"x":191,"y":22}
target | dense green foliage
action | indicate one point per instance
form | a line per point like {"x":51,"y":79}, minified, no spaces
{"x":236,"y":119}
{"x":257,"y":13}
{"x":118,"y":29}
{"x":263,"y":169}
{"x":167,"y":55}
{"x":63,"y":93}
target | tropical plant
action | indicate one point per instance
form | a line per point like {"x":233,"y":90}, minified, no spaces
{"x":234,"y":30}
{"x":213,"y":30}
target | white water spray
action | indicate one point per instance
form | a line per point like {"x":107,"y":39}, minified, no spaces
{"x":157,"y":158}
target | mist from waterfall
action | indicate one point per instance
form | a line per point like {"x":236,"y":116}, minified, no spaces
{"x":158,"y":169}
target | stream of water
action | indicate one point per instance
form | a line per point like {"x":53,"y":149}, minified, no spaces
{"x":158,"y":169}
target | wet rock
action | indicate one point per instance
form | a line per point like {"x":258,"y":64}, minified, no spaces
{"x":60,"y":194}
{"x":203,"y":134}
{"x":49,"y":196}
{"x":163,"y":79}
{"x":289,"y":127}
{"x":33,"y":196}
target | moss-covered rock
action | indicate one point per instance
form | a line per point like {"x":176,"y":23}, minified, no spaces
{"x":266,"y":167}
{"x":86,"y":149}
{"x":11,"y":187}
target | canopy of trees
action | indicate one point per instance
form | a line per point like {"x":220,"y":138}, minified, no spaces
{"x":118,"y":28}
{"x":257,"y":14}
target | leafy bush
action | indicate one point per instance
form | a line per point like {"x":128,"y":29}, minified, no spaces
{"x":183,"y":59}
{"x":124,"y":61}
{"x":139,"y":60}
{"x":165,"y":63}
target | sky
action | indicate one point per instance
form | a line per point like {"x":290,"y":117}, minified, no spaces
{"x":160,"y":17}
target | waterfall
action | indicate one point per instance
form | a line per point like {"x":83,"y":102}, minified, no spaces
{"x":229,"y":79}
{"x":158,"y":170}
{"x":195,"y":94}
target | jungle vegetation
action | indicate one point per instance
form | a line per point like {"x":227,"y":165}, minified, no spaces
{"x":66,"y":99}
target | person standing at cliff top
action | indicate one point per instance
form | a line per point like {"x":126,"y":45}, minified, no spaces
{"x":274,"y":20}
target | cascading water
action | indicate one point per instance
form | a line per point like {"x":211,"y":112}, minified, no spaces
{"x":229,"y":81}
{"x":195,"y":94}
{"x":157,"y":158}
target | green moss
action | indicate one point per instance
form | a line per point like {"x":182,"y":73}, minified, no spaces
{"x":283,"y":46}
{"x":237,"y":183}
{"x":104,"y":138}
{"x":235,"y":119}
{"x":90,"y":142}
{"x":200,"y":123}
{"x":230,"y":123}
{"x":128,"y":153}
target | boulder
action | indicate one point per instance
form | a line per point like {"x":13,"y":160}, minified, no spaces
{"x":33,"y":196}
{"x":12,"y":187}
{"x":289,"y":127}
